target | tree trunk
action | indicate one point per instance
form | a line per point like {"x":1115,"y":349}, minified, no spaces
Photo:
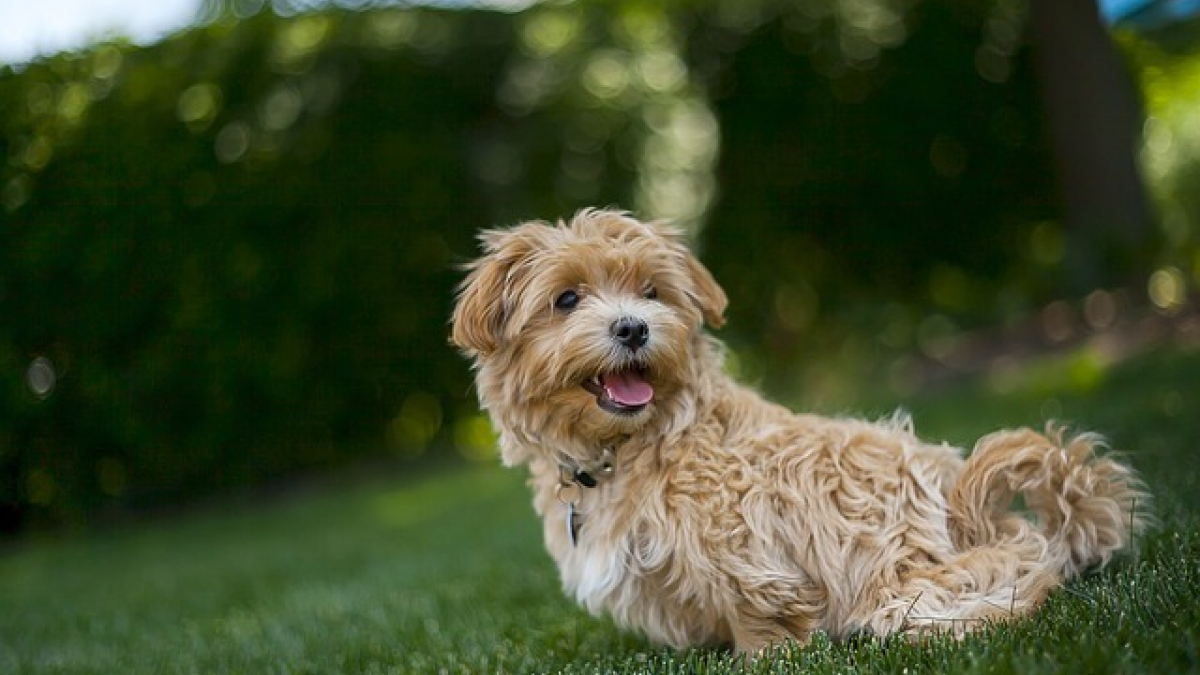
{"x":1094,"y":121}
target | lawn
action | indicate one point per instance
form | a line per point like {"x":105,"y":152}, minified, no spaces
{"x":445,"y":572}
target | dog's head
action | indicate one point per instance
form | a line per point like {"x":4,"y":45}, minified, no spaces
{"x":581,"y":331}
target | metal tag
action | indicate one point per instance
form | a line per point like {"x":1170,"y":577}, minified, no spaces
{"x":574,"y":522}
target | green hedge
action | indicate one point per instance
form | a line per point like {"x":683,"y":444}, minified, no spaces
{"x":238,"y":261}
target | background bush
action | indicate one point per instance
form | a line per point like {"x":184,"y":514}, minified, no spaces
{"x":230,"y":256}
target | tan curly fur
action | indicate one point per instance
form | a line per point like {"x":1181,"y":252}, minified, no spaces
{"x":728,"y":518}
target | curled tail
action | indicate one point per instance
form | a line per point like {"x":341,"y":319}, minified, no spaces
{"x":1081,"y":506}
{"x":1086,"y":506}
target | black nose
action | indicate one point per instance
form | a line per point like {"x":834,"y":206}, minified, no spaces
{"x":631,"y":332}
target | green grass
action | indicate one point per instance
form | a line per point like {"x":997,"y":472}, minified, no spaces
{"x":446,"y":572}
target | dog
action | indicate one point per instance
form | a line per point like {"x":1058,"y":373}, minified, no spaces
{"x":693,"y":510}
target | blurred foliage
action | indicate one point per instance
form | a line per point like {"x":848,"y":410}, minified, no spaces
{"x":881,"y":189}
{"x":232,"y":252}
{"x":1169,"y":66}
{"x":230,"y":256}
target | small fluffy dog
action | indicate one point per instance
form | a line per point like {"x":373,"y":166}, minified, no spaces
{"x":693,"y":510}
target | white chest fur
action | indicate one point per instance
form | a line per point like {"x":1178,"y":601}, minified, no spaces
{"x":623,"y":564}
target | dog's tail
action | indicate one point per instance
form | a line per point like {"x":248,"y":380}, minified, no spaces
{"x":1086,"y":506}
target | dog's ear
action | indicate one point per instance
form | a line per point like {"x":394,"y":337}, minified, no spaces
{"x":483,"y":298}
{"x":707,"y":293}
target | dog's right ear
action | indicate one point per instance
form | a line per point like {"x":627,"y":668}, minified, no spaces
{"x":482,"y":306}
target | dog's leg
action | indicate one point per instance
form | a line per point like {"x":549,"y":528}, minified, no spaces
{"x":753,"y":634}
{"x":770,"y":609}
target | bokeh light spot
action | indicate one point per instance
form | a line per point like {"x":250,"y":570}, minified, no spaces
{"x":474,"y":438}
{"x":74,"y":102}
{"x":419,"y":421}
{"x":281,"y":109}
{"x":992,"y":65}
{"x":37,"y":153}
{"x":41,"y":378}
{"x":391,"y":29}
{"x":937,"y":337}
{"x":298,"y":41}
{"x":1051,"y":409}
{"x":15,"y":193}
{"x":1157,"y":138}
{"x":1046,"y":244}
{"x":107,"y":62}
{"x":1100,"y":309}
{"x":1057,"y":321}
{"x":1167,"y":289}
{"x":198,"y":105}
{"x":548,"y":32}
{"x":1086,"y":371}
{"x":39,"y":99}
{"x":606,"y":75}
{"x":232,"y":142}
{"x":662,"y":72}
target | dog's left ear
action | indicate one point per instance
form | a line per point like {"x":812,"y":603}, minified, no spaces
{"x":705,"y":292}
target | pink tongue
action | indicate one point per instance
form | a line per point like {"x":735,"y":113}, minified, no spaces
{"x":627,"y":388}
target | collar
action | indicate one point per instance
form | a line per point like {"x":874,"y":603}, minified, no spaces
{"x":574,"y":477}
{"x":589,"y":474}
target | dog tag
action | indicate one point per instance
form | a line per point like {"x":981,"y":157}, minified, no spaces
{"x":574,"y":522}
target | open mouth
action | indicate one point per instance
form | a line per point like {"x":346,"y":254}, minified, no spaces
{"x":621,"y":392}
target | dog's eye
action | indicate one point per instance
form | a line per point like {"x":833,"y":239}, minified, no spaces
{"x":567,"y":300}
{"x":651,"y":293}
